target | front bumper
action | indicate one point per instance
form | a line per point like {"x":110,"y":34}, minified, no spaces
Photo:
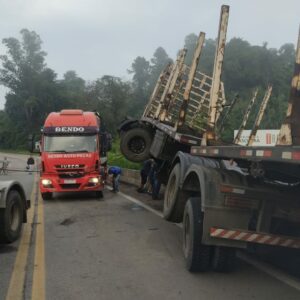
{"x":71,"y":184}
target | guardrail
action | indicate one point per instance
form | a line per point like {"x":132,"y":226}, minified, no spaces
{"x":131,"y":176}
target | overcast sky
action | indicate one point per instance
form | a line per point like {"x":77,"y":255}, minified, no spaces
{"x":98,"y":37}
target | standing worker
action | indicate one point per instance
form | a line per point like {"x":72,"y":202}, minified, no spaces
{"x":155,"y":184}
{"x":30,"y":163}
{"x":116,"y":174}
{"x":146,"y":168}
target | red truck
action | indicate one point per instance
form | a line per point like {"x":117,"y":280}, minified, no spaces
{"x":73,"y":153}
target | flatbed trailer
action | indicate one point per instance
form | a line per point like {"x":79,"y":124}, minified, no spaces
{"x":226,"y":196}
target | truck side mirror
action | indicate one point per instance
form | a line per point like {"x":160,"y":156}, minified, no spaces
{"x":30,"y":144}
{"x":108,"y":141}
{"x":33,"y":146}
{"x":105,"y":143}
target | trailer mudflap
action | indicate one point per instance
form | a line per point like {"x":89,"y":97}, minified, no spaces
{"x":255,"y":237}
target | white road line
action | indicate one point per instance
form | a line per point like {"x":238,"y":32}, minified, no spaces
{"x":274,"y":272}
{"x":136,"y":201}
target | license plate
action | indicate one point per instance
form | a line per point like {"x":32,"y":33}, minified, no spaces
{"x":69,"y":181}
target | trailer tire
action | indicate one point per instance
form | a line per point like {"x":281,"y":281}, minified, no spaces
{"x":135,"y":144}
{"x":11,"y":218}
{"x":171,"y":211}
{"x":223,"y":259}
{"x":197,"y":256}
{"x":47,"y":196}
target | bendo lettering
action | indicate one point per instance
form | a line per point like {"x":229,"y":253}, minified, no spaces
{"x":69,"y":129}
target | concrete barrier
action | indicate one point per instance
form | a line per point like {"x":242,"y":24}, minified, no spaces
{"x":131,"y":176}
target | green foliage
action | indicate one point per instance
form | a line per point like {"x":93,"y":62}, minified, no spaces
{"x":145,"y":75}
{"x":116,"y":158}
{"x":110,"y":97}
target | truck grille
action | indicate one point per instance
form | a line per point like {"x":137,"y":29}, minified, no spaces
{"x":69,"y":171}
{"x":70,"y":186}
{"x":70,"y":175}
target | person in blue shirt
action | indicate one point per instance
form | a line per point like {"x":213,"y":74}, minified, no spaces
{"x":116,"y":174}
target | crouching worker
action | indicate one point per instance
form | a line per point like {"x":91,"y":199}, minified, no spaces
{"x":115,"y":172}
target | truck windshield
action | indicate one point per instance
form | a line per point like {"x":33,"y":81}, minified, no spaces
{"x":70,"y":144}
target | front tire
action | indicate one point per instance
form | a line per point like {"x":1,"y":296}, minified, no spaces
{"x":197,"y":256}
{"x":11,"y":218}
{"x":135,"y":144}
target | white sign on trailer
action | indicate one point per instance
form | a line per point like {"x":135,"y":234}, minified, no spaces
{"x":264,"y":137}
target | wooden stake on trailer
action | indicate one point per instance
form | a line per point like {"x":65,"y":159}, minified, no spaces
{"x":216,"y":78}
{"x":157,"y":87}
{"x":227,"y":114}
{"x":219,"y":57}
{"x":167,"y":95}
{"x":290,"y":129}
{"x":188,"y":87}
{"x":245,"y":119}
{"x":260,"y":115}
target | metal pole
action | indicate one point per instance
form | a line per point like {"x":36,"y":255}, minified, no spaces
{"x":191,"y":76}
{"x":290,"y":129}
{"x":219,"y":57}
{"x":245,"y":119}
{"x":167,"y":95}
{"x":260,"y":115}
{"x":228,"y":112}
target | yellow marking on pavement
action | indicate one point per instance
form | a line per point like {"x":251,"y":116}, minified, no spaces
{"x":38,"y":283}
{"x":17,"y":280}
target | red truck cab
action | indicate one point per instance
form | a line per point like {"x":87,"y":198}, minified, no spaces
{"x":71,"y":147}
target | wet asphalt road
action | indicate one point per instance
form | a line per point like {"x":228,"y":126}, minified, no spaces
{"x":115,"y":249}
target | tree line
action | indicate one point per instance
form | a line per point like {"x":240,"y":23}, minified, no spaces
{"x":34,"y":89}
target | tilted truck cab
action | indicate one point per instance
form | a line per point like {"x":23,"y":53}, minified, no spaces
{"x":73,"y":153}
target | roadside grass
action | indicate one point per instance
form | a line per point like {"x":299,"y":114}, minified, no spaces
{"x":116,"y":158}
{"x":16,"y":151}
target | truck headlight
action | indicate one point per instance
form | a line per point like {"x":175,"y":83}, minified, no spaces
{"x":46,"y":182}
{"x":94,"y":180}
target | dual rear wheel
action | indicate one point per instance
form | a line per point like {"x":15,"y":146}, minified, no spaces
{"x":200,"y":257}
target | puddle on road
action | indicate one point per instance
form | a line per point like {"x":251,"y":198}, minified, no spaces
{"x":67,"y":221}
{"x":136,"y":207}
{"x":153,"y":228}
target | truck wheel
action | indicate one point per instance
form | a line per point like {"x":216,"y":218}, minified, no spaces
{"x":224,"y":259}
{"x":135,"y":144}
{"x":197,"y":256}
{"x":11,"y":218}
{"x":171,"y":212}
{"x":47,"y":196}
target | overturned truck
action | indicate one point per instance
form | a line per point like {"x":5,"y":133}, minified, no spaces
{"x":226,"y":196}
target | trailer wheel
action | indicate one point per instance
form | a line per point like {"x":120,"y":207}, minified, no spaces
{"x":224,"y":259}
{"x":197,"y":256}
{"x":11,"y":218}
{"x":135,"y":144}
{"x":47,"y":196}
{"x":171,"y":212}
